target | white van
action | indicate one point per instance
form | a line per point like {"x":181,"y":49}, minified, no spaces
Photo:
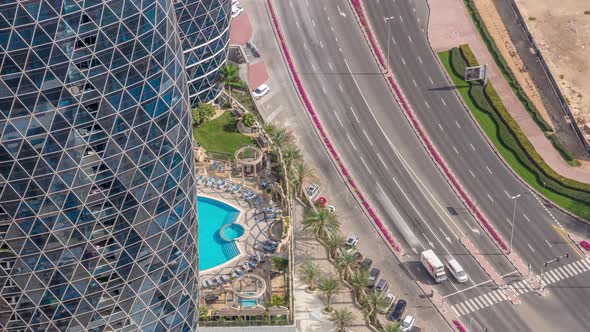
{"x":457,"y":270}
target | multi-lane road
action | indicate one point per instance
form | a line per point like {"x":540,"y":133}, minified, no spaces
{"x":394,"y":171}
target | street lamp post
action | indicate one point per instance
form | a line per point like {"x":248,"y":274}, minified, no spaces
{"x":387,"y":19}
{"x":515,"y":198}
{"x":556,"y":259}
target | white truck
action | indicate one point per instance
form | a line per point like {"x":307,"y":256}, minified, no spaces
{"x":433,"y":265}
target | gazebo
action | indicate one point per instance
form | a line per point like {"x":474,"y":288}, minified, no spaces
{"x":249,"y":158}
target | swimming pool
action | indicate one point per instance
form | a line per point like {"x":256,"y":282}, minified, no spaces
{"x":248,"y":303}
{"x":213,"y":215}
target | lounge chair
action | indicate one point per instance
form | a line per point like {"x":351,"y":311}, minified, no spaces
{"x":201,"y":179}
{"x":217,"y":183}
{"x":204,"y":284}
{"x":218,"y":280}
{"x":223,"y":185}
{"x":265,"y":183}
{"x":246,"y":193}
{"x":231,"y":187}
{"x":210,"y":181}
{"x":269,"y":209}
{"x":210,"y":283}
{"x":252,"y":196}
{"x":253,"y":263}
{"x":237,"y":272}
{"x":247,"y":267}
{"x":258,"y":201}
{"x":238,"y":189}
{"x":222,"y":168}
{"x":214,"y":165}
{"x":225,"y":278}
{"x":269,"y":248}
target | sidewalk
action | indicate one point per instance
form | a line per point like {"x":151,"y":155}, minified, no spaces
{"x":450,"y":26}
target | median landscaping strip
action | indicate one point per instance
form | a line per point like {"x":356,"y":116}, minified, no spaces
{"x":510,"y":141}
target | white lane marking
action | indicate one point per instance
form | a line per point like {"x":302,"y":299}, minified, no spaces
{"x":382,"y":161}
{"x":403,"y":61}
{"x":351,"y":142}
{"x":472,"y":147}
{"x":312,"y":21}
{"x":457,"y":123}
{"x":455,"y":311}
{"x":331,"y":27}
{"x":456,"y":151}
{"x":368,"y":138}
{"x":305,"y":45}
{"x":429,"y":242}
{"x":291,"y":4}
{"x":528,"y":244}
{"x":353,"y":113}
{"x":307,"y":3}
{"x":338,"y":118}
{"x":490,"y":197}
{"x":489,"y":170}
{"x":410,"y":38}
{"x":343,"y":14}
{"x":401,"y":18}
{"x":430,"y":79}
{"x":321,"y":44}
{"x":415,"y":84}
{"x":445,"y":235}
{"x":340,"y":49}
{"x":324,"y":89}
{"x":313,"y":67}
{"x":340,"y":87}
{"x":420,"y":59}
{"x":426,"y":103}
{"x":471,"y":172}
{"x":366,"y":166}
{"x":441,"y":127}
{"x":330,"y":64}
{"x":393,"y":40}
{"x":297,"y":24}
{"x":525,"y":217}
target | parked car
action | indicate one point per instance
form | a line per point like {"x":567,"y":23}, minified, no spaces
{"x":398,"y":311}
{"x":352,"y":240}
{"x":260,"y":91}
{"x":457,"y":270}
{"x":359,"y":257}
{"x":366,"y":263}
{"x":373,"y":275}
{"x":407,"y":324}
{"x":382,"y":286}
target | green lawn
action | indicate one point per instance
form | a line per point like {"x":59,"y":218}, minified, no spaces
{"x":491,"y":129}
{"x":221,"y":135}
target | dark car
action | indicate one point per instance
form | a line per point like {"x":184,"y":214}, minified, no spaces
{"x":373,"y":275}
{"x":382,"y":286}
{"x":366,"y":263}
{"x":398,"y":311}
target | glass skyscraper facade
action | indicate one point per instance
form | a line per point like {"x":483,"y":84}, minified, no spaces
{"x":204,"y":31}
{"x":98,"y":220}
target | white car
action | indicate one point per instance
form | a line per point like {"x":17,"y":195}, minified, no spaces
{"x":236,"y":11}
{"x":407,"y":324}
{"x":260,"y":91}
{"x":352,"y":240}
{"x":457,"y":270}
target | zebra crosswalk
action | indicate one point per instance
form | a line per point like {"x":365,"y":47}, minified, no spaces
{"x":519,"y":288}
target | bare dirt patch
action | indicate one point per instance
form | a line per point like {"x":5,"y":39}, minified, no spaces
{"x":562,"y":31}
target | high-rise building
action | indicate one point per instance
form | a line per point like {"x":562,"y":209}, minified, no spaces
{"x":204,"y":31}
{"x":98,"y":220}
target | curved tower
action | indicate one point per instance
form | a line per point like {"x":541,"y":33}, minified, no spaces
{"x":204,"y":31}
{"x":98,"y":221}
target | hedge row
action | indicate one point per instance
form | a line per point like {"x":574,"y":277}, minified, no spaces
{"x":512,"y":138}
{"x":504,"y":68}
{"x":468,"y":55}
{"x":569,"y":158}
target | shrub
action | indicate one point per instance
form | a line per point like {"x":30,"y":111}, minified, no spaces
{"x":248,"y":119}
{"x":532,"y":18}
{"x":585,"y":244}
{"x":468,"y":55}
{"x":569,"y":158}
{"x":203,"y":113}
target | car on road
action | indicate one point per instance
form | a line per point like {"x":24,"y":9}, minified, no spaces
{"x":366,"y":263}
{"x":261,"y":91}
{"x":373,"y":275}
{"x":382,"y":286}
{"x":352,"y":240}
{"x":407,"y":324}
{"x":398,"y":311}
{"x":457,"y":270}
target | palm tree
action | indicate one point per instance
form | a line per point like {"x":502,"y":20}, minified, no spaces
{"x":359,"y":281}
{"x":291,"y":154}
{"x":231,"y":77}
{"x":302,"y":172}
{"x":329,"y":285}
{"x":334,"y":242}
{"x":341,"y":318}
{"x":321,"y":223}
{"x":309,"y":272}
{"x":391,"y":327}
{"x":280,"y":136}
{"x":276,"y":300}
{"x":371,"y":304}
{"x":345,"y":264}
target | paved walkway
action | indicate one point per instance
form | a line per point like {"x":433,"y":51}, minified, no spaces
{"x":450,"y":25}
{"x":257,"y":74}
{"x":240,"y":30}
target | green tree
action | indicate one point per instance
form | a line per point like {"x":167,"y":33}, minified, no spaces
{"x":276,"y":300}
{"x":371,"y":304}
{"x":203,"y":113}
{"x":329,"y":286}
{"x":203,"y":312}
{"x":280,"y":264}
{"x":291,"y":154}
{"x":230,"y":75}
{"x":321,"y":223}
{"x":345,"y":264}
{"x":248,"y":119}
{"x":359,"y":281}
{"x":341,"y":318}
{"x":309,"y":273}
{"x":391,"y":327}
{"x":301,"y":173}
{"x":280,"y":137}
{"x":334,"y":242}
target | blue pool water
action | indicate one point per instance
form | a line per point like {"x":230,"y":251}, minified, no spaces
{"x":213,"y":215}
{"x":247,"y":303}
{"x":232,"y":231}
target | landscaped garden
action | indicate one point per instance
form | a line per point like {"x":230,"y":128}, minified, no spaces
{"x":508,"y":138}
{"x":221,"y":135}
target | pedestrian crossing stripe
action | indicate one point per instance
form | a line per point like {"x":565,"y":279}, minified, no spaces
{"x":521,"y":287}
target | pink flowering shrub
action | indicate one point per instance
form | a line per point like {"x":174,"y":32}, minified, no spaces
{"x":459,"y":326}
{"x":585,"y":244}
{"x":358,"y":8}
{"x":321,"y":130}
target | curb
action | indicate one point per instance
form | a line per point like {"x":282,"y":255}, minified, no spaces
{"x":392,"y":242}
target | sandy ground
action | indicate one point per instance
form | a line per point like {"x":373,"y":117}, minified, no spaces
{"x":562,"y":30}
